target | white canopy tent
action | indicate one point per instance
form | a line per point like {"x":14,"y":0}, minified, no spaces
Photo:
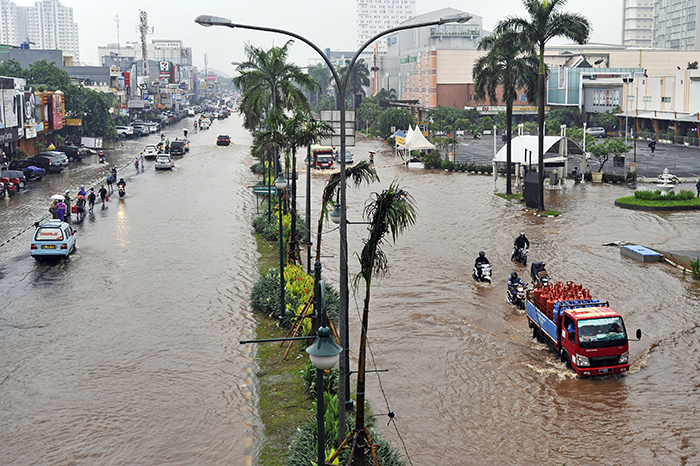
{"x":416,"y":141}
{"x":525,"y":151}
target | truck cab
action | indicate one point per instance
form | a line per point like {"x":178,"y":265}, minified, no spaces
{"x":322,"y":157}
{"x":594,"y":341}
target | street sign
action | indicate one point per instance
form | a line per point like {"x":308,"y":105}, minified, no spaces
{"x":333,"y":117}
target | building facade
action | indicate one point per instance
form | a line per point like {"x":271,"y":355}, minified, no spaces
{"x":375,"y":16}
{"x":675,"y":25}
{"x":47,"y":25}
{"x":637,"y":23}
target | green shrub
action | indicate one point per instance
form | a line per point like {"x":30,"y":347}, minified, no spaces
{"x":613,"y":178}
{"x":695,"y":266}
{"x":632,"y":176}
{"x":432,"y":159}
{"x":657,"y":196}
{"x":330,"y":379}
{"x":257,"y":168}
{"x":265,"y":296}
{"x":447,"y":165}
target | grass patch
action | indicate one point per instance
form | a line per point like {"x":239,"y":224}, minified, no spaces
{"x":632,"y":200}
{"x":508,"y":197}
{"x":283,"y":402}
{"x":548,"y":213}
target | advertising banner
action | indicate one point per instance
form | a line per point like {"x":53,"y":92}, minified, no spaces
{"x":57,"y":110}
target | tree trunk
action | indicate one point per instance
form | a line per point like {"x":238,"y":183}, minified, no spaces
{"x":509,"y":129}
{"x":358,"y":456}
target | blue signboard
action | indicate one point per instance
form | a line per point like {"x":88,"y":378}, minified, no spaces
{"x":145,"y":96}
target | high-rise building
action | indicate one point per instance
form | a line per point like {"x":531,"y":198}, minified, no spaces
{"x":637,"y":23}
{"x":46,"y":25}
{"x":375,"y":16}
{"x":675,"y":25}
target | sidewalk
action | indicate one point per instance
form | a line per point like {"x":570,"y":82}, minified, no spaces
{"x":684,"y":162}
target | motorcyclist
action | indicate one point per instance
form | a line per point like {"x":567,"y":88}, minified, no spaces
{"x":513,"y":283}
{"x":520,"y":242}
{"x":479,"y":262}
{"x":535,"y":270}
{"x":122,"y":184}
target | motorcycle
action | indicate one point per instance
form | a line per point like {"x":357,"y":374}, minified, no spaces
{"x":136,"y":164}
{"x":485,"y":273}
{"x":539,"y":274}
{"x":520,"y":255}
{"x":10,"y":186}
{"x":122,"y":191}
{"x":516,"y":295}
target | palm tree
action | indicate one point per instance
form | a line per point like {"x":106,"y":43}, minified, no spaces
{"x":511,"y":64}
{"x":390,"y":212}
{"x":299,"y":131}
{"x":546,"y":22}
{"x":270,"y":84}
{"x":322,"y":75}
{"x":358,"y":79}
{"x":357,"y":174}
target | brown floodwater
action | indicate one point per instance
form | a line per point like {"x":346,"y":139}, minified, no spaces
{"x":128,"y":353}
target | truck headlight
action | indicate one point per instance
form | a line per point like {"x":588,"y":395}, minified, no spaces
{"x":582,"y":361}
{"x":625,"y":358}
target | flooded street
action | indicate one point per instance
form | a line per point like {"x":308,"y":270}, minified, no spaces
{"x":128,"y":353}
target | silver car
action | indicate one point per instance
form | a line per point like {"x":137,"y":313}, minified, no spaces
{"x":596,"y":132}
{"x":164,"y":162}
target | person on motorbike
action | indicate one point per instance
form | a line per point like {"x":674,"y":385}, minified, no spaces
{"x":520,"y":242}
{"x":513,"y":283}
{"x":122,"y":184}
{"x":479,"y":262}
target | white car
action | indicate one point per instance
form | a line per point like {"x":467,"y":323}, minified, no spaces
{"x":596,"y":132}
{"x":150,"y":151}
{"x":205,"y":123}
{"x":164,"y":162}
{"x":125,"y":131}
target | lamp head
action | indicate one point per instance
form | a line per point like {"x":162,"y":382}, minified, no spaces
{"x":335,"y":215}
{"x":324,"y":352}
{"x":281,"y":182}
{"x":458,"y":18}
{"x":209,"y":20}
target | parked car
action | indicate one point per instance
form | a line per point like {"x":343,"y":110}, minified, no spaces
{"x":73,"y":152}
{"x":58,"y":160}
{"x":596,"y":132}
{"x":15,"y":174}
{"x":24,"y":164}
{"x":141,"y":129}
{"x":153,"y":126}
{"x":164,"y":162}
{"x":223,"y":140}
{"x":125,"y":131}
{"x":177,"y":147}
{"x":53,"y":238}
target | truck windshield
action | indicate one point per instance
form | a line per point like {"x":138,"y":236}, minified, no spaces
{"x":598,"y":333}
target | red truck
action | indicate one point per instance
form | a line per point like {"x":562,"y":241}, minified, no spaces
{"x":588,"y":335}
{"x":322,"y":156}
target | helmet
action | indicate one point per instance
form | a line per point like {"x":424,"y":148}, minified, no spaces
{"x":67,"y":191}
{"x":482,"y":254}
{"x":522,"y":233}
{"x":513,"y":275}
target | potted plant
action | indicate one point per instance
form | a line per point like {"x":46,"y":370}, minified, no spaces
{"x":602,"y":151}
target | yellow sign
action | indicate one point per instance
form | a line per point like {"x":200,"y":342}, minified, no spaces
{"x":74,"y":122}
{"x":400,"y":141}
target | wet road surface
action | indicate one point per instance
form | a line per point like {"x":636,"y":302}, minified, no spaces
{"x":128,"y":352}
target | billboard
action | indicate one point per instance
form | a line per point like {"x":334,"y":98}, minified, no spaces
{"x":57,"y":110}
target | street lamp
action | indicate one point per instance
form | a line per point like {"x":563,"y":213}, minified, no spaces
{"x":281,"y":185}
{"x":341,"y":85}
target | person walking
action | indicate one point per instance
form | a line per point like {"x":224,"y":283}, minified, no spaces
{"x":52,"y":209}
{"x":697,"y":186}
{"x":110,"y":181}
{"x":67,"y":201}
{"x":652,"y":146}
{"x":61,"y":211}
{"x":80,"y":205}
{"x":143,"y":159}
{"x":103,"y":194}
{"x":91,"y":199}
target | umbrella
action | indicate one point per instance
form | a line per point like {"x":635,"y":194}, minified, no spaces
{"x":58,"y":197}
{"x":80,"y":196}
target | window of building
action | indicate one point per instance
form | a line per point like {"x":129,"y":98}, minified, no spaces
{"x":523,"y":98}
{"x":666,"y":100}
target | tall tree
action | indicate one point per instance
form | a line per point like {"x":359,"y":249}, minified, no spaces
{"x":510,"y":64}
{"x":546,"y":22}
{"x":389,"y":213}
{"x":358,"y":79}
{"x":322,"y":75}
{"x":270,"y":83}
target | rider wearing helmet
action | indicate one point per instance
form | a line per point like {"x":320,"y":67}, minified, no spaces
{"x":514,"y":280}
{"x":520,"y":242}
{"x":479,"y":261}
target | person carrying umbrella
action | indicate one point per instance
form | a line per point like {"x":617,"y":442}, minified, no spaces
{"x":66,"y":200}
{"x":61,"y":211}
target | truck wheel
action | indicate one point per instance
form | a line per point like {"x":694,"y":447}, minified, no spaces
{"x":566,"y":360}
{"x":534,"y":332}
{"x":522,"y":305}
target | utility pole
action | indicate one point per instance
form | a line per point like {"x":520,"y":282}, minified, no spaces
{"x":143,"y":31}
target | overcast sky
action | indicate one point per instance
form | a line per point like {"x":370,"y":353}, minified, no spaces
{"x":326,"y":23}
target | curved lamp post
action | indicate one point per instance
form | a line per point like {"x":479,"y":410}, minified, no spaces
{"x":341,"y":84}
